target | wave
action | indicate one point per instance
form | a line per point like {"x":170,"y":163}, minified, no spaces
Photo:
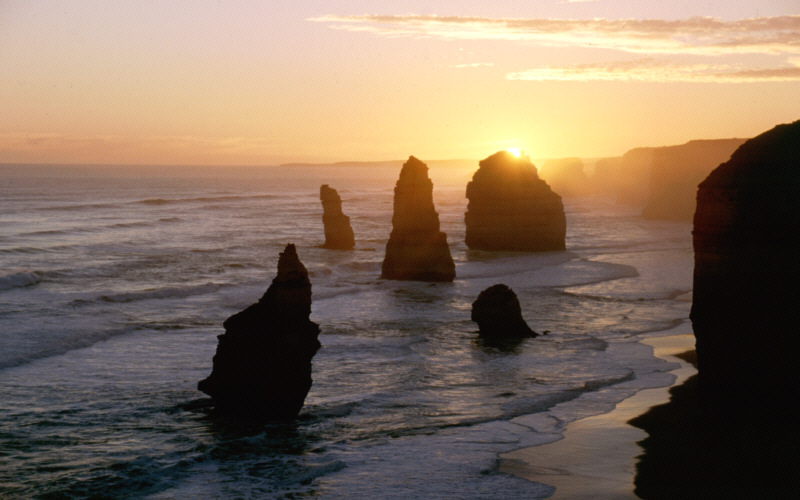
{"x":19,"y":279}
{"x":204,"y":199}
{"x":77,"y":340}
{"x":162,"y":293}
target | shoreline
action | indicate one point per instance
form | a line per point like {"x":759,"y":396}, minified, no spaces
{"x":597,"y":456}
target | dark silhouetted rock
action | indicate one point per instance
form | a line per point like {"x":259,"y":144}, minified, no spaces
{"x":510,"y":208}
{"x":262,"y":368}
{"x":566,"y":176}
{"x":675,"y":173}
{"x":745,"y":310}
{"x":498,"y":314}
{"x":338,"y":233}
{"x":416,"y":249}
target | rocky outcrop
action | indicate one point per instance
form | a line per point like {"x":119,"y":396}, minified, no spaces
{"x":746,"y":277}
{"x":675,"y":173}
{"x":510,"y":208}
{"x":338,"y":233}
{"x":262,"y":368}
{"x":498,"y":314}
{"x":416,"y":249}
{"x":566,"y":176}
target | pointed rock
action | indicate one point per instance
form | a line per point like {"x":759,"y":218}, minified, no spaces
{"x":416,"y":249}
{"x":498,"y":314}
{"x":510,"y":208}
{"x":262,"y":368}
{"x":338,"y":232}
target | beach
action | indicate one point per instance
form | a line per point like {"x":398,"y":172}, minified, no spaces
{"x":597,"y":457}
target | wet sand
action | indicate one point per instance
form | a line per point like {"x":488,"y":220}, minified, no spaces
{"x":598,"y":455}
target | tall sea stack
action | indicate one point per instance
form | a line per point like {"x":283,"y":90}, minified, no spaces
{"x":338,"y":233}
{"x":416,"y":249}
{"x":511,"y":208}
{"x":745,"y":310}
{"x":262,"y":368}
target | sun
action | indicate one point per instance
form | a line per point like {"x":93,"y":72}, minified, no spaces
{"x":515,"y":151}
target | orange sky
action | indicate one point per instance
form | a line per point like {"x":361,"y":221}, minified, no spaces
{"x":259,"y":82}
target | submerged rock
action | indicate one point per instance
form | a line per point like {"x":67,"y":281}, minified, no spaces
{"x":262,"y":368}
{"x":747,"y":270}
{"x":511,"y":208}
{"x":338,"y":232}
{"x":416,"y":249}
{"x":498,"y":314}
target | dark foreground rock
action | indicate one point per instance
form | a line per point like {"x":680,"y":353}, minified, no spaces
{"x":262,"y":368}
{"x":499,"y":315}
{"x":416,"y":249}
{"x":745,"y":309}
{"x":690,"y":453}
{"x":511,"y":208}
{"x":338,"y":232}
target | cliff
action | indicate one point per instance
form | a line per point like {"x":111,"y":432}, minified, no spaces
{"x":338,"y":232}
{"x":675,"y":173}
{"x":416,"y":249}
{"x":747,"y":269}
{"x":510,"y":208}
{"x":262,"y":368}
{"x":566,"y":176}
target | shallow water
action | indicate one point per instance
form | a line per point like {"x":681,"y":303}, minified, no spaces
{"x":114,"y":283}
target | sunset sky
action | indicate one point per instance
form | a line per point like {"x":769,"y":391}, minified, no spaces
{"x":262,"y":82}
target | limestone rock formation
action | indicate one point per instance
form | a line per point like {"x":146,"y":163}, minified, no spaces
{"x":510,"y":208}
{"x":262,"y":368}
{"x":566,"y":176}
{"x":416,"y":249}
{"x":498,"y":313}
{"x":675,"y":173}
{"x":747,"y":277}
{"x":338,"y":233}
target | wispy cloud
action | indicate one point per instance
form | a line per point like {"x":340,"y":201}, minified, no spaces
{"x":473,"y":65}
{"x":696,"y":37}
{"x":652,"y":70}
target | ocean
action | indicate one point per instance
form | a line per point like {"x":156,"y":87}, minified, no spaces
{"x":115,"y":281}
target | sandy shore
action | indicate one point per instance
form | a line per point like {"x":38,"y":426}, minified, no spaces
{"x":598,"y":455}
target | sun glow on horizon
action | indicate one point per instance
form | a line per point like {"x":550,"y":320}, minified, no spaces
{"x":515,"y":151}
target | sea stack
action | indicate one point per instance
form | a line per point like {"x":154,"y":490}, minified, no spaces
{"x":511,"y":208}
{"x":745,"y":309}
{"x":416,"y":249}
{"x":499,"y":315}
{"x":262,"y":368}
{"x":338,"y":233}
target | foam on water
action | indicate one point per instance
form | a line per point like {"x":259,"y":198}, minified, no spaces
{"x":116,"y":284}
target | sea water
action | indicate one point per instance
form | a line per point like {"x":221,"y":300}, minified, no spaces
{"x":115,"y":281}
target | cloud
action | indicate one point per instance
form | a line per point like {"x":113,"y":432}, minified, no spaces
{"x":694,"y":40}
{"x":652,"y":70}
{"x":473,"y":65}
{"x":695,"y":36}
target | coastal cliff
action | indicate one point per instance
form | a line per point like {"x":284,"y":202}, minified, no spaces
{"x":262,"y":368}
{"x":511,"y":208}
{"x":417,"y":250}
{"x":675,"y":173}
{"x":747,"y":269}
{"x":338,"y":232}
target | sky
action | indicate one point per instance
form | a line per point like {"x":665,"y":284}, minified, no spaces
{"x":267,"y":82}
